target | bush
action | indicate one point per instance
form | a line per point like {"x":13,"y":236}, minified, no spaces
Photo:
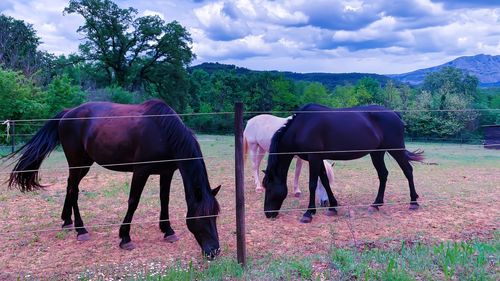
{"x":119,"y":95}
{"x":61,"y":94}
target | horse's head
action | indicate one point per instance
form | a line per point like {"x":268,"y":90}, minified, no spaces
{"x":203,"y":224}
{"x":276,"y":192}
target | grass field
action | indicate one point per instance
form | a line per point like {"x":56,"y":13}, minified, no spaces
{"x":453,"y":236}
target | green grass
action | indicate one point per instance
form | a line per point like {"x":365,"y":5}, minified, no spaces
{"x":474,"y":260}
{"x":448,"y":261}
{"x":117,"y":188}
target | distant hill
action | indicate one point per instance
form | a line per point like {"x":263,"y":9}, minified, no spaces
{"x":485,"y":67}
{"x":330,"y":80}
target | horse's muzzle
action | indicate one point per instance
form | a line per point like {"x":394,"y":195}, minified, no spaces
{"x":210,"y":255}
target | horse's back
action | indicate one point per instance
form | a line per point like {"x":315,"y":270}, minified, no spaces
{"x":111,"y":133}
{"x":261,"y":128}
{"x":344,"y":129}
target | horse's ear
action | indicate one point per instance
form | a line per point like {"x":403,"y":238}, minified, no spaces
{"x":215,"y":190}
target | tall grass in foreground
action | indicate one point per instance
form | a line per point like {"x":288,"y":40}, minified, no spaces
{"x":446,"y":261}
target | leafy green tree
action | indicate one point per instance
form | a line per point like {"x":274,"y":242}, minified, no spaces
{"x":257,"y":91}
{"x":390,"y":96}
{"x":344,"y":96}
{"x":367,"y":90}
{"x":316,"y":93}
{"x":21,"y":99}
{"x":284,"y":97}
{"x":135,"y":52}
{"x":61,"y":93}
{"x":119,"y":95}
{"x":18,"y":50}
{"x":449,"y":95}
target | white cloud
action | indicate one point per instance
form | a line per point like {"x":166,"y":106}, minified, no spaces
{"x":153,"y":13}
{"x":221,"y":24}
{"x":302,"y":35}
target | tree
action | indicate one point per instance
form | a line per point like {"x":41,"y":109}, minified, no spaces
{"x":344,"y":96}
{"x":448,"y":94}
{"x":21,"y":99}
{"x":284,"y":97}
{"x":18,"y":46}
{"x":316,"y":93}
{"x":135,"y":51}
{"x":367,"y":90}
{"x":61,"y":93}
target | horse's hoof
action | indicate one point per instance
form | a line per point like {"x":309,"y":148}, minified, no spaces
{"x":331,"y":213}
{"x":373,"y":209}
{"x":171,"y":238}
{"x":129,"y":246}
{"x":67,"y":226}
{"x":324,"y":203}
{"x":306,"y":219}
{"x":414,"y":206}
{"x":298,"y":194}
{"x":83,"y":237}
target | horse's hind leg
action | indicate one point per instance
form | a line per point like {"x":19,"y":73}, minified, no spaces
{"x":298,"y":168}
{"x":321,"y":193}
{"x":404,"y":164}
{"x":257,"y":154}
{"x":71,"y":201}
{"x":323,"y":176}
{"x":139,"y":179}
{"x":165,"y":180}
{"x":379,"y":164}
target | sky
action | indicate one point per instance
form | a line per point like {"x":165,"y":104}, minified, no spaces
{"x":376,"y":36}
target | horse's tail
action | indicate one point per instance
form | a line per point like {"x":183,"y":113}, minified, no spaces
{"x":25,"y":173}
{"x":245,"y":149}
{"x":415,"y":156}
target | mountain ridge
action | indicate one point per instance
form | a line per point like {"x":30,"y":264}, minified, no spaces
{"x":330,"y":80}
{"x":485,"y":67}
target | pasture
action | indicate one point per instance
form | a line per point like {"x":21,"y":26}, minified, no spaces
{"x":458,"y":191}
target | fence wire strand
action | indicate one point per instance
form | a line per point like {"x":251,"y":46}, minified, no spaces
{"x":246,"y":113}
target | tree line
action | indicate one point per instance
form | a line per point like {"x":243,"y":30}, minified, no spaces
{"x":128,"y":58}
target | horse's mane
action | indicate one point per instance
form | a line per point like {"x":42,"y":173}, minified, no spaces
{"x":272,"y":160}
{"x":182,"y":140}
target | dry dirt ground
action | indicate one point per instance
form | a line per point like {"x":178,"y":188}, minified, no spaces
{"x":459,"y":201}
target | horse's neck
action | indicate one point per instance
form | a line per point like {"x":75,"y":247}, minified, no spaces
{"x":282,"y":166}
{"x":194,"y":175}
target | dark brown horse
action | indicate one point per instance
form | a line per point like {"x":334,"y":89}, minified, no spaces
{"x":144,"y":139}
{"x":318,"y":132}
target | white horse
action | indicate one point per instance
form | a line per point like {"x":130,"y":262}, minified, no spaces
{"x":257,"y":137}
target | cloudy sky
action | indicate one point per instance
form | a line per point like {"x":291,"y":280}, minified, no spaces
{"x":379,"y":36}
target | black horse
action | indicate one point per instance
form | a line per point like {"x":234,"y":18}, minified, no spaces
{"x":317,"y":132}
{"x":144,"y":139}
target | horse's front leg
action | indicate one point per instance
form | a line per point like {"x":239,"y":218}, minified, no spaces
{"x":165,"y":181}
{"x":314,"y":170}
{"x":298,"y":168}
{"x":139,"y":179}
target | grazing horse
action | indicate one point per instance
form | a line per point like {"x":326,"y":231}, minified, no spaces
{"x":257,"y":137}
{"x":144,"y":139}
{"x":317,"y":132}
